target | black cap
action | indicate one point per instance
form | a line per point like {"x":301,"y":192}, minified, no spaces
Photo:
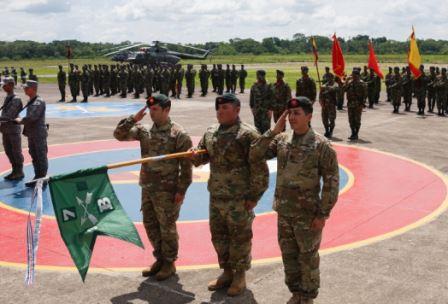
{"x":280,"y":72}
{"x":227,"y":98}
{"x":158,"y":99}
{"x":261,"y":72}
{"x":304,"y":68}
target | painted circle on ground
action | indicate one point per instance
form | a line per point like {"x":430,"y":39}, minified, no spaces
{"x":388,"y":195}
{"x":125,"y":182}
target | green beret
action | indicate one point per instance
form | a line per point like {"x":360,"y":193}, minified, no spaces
{"x":227,"y":98}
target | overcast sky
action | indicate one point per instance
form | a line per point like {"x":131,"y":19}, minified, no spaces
{"x":218,"y":20}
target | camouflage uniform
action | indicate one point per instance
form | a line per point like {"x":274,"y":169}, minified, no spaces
{"x":220,"y":79}
{"x":388,"y":81}
{"x":190,"y":76}
{"x":396,"y":91}
{"x":306,"y":86}
{"x":233,"y":79}
{"x":432,"y":90}
{"x":213,"y":73}
{"x":282,"y":94}
{"x":441,"y":87}
{"x":96,"y":80}
{"x":11,"y":139}
{"x":35,"y":130}
{"x":72,"y":83}
{"x":138,"y":82}
{"x":113,"y":80}
{"x":328,"y":101}
{"x":160,"y":181}
{"x":204,"y":75}
{"x":407,"y":90}
{"x":234,"y":179}
{"x":149,"y":79}
{"x":302,"y":160}
{"x":261,"y":96}
{"x":85,"y":84}
{"x":62,"y":82}
{"x":242,"y":75}
{"x":420,"y":84}
{"x":228,"y":79}
{"x":356,"y":95}
{"x":22,"y":75}
{"x":123,"y":81}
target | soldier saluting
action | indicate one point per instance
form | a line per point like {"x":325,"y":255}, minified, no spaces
{"x":303,"y":205}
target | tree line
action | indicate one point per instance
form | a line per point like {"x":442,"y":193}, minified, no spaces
{"x":298,"y":44}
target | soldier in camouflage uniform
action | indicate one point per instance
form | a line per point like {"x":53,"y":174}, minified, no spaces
{"x":377,"y":89}
{"x":420,"y":84}
{"x":138,"y":82}
{"x":236,"y":184}
{"x":242,"y":75}
{"x":190,"y":76}
{"x":130,"y":81}
{"x":23,"y":75}
{"x":62,"y":82}
{"x":233,"y":79}
{"x":328,"y":101}
{"x":14,"y":75}
{"x":228,"y":79}
{"x":282,"y":94}
{"x":35,"y":129}
{"x":204,"y":75}
{"x":340,"y":94}
{"x":113,"y":80}
{"x":149,"y":81}
{"x":31,"y":75}
{"x":305,"y":86}
{"x":220,"y":79}
{"x":11,"y":139}
{"x":213,"y":77}
{"x":91,"y":89}
{"x":96,"y":80}
{"x":123,"y":81}
{"x":180,"y":73}
{"x":396,"y":90}
{"x":164,"y":183}
{"x":327,"y":76}
{"x":356,"y":91}
{"x":407,"y":89}
{"x":77,"y":80}
{"x":431,"y":89}
{"x":72,"y":82}
{"x":441,"y":87}
{"x":106,"y":80}
{"x":85,"y":83}
{"x":388,"y":82}
{"x":260,"y":101}
{"x":304,"y":158}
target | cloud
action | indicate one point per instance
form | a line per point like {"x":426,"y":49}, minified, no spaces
{"x":37,"y":6}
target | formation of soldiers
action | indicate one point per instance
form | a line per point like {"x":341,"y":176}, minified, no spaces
{"x":123,"y":79}
{"x":12,"y":72}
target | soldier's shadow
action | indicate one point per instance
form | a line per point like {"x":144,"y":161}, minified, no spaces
{"x":154,"y":292}
{"x":220,"y":296}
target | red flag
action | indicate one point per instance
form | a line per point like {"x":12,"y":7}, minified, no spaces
{"x":338,"y":58}
{"x":314,"y":46}
{"x":373,"y":62}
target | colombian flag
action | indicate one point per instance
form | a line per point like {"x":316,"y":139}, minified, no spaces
{"x":337,"y":58}
{"x":414,"y":58}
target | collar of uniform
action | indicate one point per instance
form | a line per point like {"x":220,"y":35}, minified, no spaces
{"x":230,"y":129}
{"x":307,"y":140}
{"x":167,"y":126}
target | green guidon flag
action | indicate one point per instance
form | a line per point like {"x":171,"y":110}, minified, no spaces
{"x":85,"y":205}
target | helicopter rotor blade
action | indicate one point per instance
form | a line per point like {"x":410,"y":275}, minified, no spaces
{"x":125,"y":48}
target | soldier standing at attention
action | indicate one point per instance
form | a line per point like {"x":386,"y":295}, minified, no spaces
{"x":260,"y":101}
{"x":180,"y":73}
{"x":14,"y":74}
{"x":420,"y":84}
{"x":236,"y":184}
{"x":85,"y":83}
{"x":242,"y":75}
{"x":282,"y":94}
{"x":431,"y":89}
{"x":123,"y":80}
{"x":23,"y":75}
{"x":305,"y":86}
{"x":304,"y":158}
{"x":213,"y":77}
{"x":190,"y":76}
{"x":233,"y":79}
{"x":220,"y":79}
{"x":164,"y":184}
{"x":35,"y":129}
{"x":396,"y":90}
{"x":356,"y":95}
{"x":441,"y":87}
{"x":72,"y":82}
{"x":328,"y":101}
{"x":326,"y":77}
{"x":371,"y":82}
{"x":407,"y":89}
{"x":204,"y":75}
{"x":12,"y":142}
{"x":228,"y":79}
{"x":31,"y":75}
{"x":62,"y":82}
{"x":388,"y":81}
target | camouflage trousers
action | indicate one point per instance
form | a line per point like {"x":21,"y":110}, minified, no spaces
{"x":299,"y":245}
{"x":231,"y":230}
{"x":441,"y":103}
{"x":204,"y":87}
{"x":431,"y":99}
{"x":396,"y":99}
{"x":262,"y":121}
{"x":354,"y":117}
{"x":12,"y":142}
{"x":329,"y":116}
{"x":62,"y":90}
{"x":190,"y":89}
{"x":38,"y":149}
{"x":160,"y":214}
{"x":242,"y":85}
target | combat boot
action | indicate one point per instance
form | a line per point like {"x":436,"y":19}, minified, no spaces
{"x":238,"y":284}
{"x":353,"y":135}
{"x":331,"y":132}
{"x":327,"y":132}
{"x":155,"y":268}
{"x":17,"y":174}
{"x":224,"y":280}
{"x":295,"y":299}
{"x":168,"y":269}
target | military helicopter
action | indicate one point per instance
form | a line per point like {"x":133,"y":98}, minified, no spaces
{"x":155,"y":54}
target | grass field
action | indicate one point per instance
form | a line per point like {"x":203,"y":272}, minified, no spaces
{"x":290,"y":64}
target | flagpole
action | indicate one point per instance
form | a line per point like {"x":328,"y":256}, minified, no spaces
{"x":154,"y":159}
